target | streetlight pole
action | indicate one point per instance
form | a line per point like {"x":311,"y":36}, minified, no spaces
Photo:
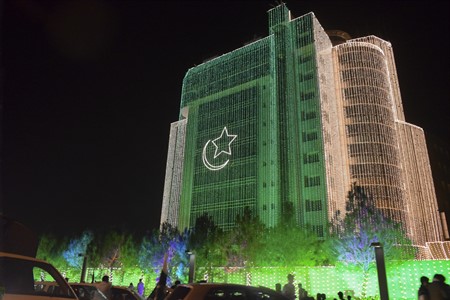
{"x":191,"y":266}
{"x":83,"y":269}
{"x":381,"y":270}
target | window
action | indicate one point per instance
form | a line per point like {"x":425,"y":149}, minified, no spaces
{"x":32,"y":278}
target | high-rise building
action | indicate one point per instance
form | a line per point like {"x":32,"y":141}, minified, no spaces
{"x":284,"y":126}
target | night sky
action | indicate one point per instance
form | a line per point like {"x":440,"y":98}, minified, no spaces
{"x":90,"y":89}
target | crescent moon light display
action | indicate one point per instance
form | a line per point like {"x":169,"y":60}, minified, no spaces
{"x":223,"y":147}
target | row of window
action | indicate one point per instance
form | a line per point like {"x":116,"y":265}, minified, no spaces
{"x":369,"y":109}
{"x":311,"y":158}
{"x":373,"y":75}
{"x":313,"y":205}
{"x":365,"y":90}
{"x":309,"y":136}
{"x":384,"y":170}
{"x":305,"y":116}
{"x":365,"y":59}
{"x":304,"y":77}
{"x":307,"y":96}
{"x":311,"y":181}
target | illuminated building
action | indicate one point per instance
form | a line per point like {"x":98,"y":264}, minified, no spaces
{"x":284,"y":126}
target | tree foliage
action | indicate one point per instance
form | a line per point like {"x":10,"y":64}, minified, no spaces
{"x":51,"y":248}
{"x":206,"y":242}
{"x":362,"y":225}
{"x":290,"y":245}
{"x":77,"y":248}
{"x":244,"y":241}
{"x":249,"y":244}
{"x":167,"y":240}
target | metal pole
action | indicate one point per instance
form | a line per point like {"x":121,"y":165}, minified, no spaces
{"x":381,"y":270}
{"x":83,"y":270}
{"x":191,"y":267}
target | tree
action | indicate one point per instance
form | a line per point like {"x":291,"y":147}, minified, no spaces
{"x":244,"y":241}
{"x":362,"y":225}
{"x":293,"y":246}
{"x":77,"y":248}
{"x":206,"y":242}
{"x":51,"y":249}
{"x":165,"y":240}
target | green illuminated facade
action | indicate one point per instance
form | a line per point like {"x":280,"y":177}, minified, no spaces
{"x":269,"y":126}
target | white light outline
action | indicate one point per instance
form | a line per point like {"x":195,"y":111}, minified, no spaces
{"x":234,"y":136}
{"x":207,"y":164}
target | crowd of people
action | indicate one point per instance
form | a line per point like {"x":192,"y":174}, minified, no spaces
{"x":437,"y":289}
{"x":158,"y":293}
{"x":289,"y":290}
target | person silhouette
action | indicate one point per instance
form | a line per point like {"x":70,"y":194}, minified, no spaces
{"x":141,"y":287}
{"x":438,"y":289}
{"x":301,"y":292}
{"x":289,"y":288}
{"x":105,"y":286}
{"x":160,"y":290}
{"x":423,"y":293}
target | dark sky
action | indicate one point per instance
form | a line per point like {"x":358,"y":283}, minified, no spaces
{"x":90,"y":89}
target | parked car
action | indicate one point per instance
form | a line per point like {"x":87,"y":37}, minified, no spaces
{"x":124,"y":293}
{"x":19,"y":277}
{"x":87,"y":291}
{"x":221,"y":291}
{"x":19,"y":268}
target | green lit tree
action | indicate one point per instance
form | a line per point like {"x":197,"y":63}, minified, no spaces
{"x":362,"y":225}
{"x":242,"y":244}
{"x":287,"y":244}
{"x":293,"y":246}
{"x":51,"y":249}
{"x":206,"y":242}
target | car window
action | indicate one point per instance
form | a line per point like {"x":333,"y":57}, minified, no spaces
{"x":228,"y":293}
{"x":88,"y":292}
{"x":122,"y":294}
{"x":262,"y":295}
{"x":237,"y":295}
{"x":22,"y":277}
{"x":215,"y":294}
{"x":179,"y":293}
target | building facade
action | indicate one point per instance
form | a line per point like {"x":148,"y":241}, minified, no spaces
{"x":286,"y":124}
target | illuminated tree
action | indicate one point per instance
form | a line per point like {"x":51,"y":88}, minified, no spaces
{"x":293,"y":246}
{"x":118,"y":252}
{"x":77,"y":248}
{"x":51,"y":249}
{"x":206,"y":242}
{"x":362,"y":225}
{"x":167,"y":240}
{"x":242,"y":244}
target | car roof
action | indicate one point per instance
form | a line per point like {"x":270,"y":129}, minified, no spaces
{"x":222,"y":284}
{"x":208,"y":285}
{"x":83,"y":284}
{"x":218,"y":284}
{"x":19,"y":256}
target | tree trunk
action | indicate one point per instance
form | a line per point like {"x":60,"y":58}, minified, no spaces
{"x":364,"y":283}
